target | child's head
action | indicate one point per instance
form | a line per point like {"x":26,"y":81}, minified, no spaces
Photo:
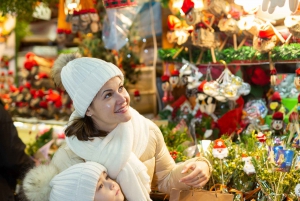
{"x":83,"y":182}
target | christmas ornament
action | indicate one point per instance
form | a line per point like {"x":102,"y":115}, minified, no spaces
{"x":192,"y":16}
{"x":273,"y":78}
{"x":297,"y":79}
{"x":277,"y":123}
{"x":174,"y":79}
{"x":137,"y":95}
{"x":220,"y":150}
{"x":276,"y":104}
{"x":248,"y":166}
{"x":261,"y":137}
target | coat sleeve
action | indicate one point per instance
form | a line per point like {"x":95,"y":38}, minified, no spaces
{"x":14,"y":162}
{"x":167,"y":172}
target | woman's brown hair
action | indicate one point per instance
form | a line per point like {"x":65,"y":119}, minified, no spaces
{"x":84,"y":129}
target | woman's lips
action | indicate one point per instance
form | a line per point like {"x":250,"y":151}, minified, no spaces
{"x":117,"y":192}
{"x":122,"y":110}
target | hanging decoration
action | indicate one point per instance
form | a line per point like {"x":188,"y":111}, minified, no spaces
{"x":82,"y":15}
{"x":119,"y":3}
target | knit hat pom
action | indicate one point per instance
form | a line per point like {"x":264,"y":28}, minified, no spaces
{"x":59,"y":63}
{"x":36,"y":182}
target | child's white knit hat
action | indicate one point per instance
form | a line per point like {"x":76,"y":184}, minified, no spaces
{"x":77,"y":183}
{"x":84,"y":77}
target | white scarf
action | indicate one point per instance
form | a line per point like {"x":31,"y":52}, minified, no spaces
{"x":119,"y":152}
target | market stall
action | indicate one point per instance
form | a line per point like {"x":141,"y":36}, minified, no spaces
{"x":219,"y":77}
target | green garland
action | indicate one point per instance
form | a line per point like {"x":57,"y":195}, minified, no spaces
{"x":290,"y":52}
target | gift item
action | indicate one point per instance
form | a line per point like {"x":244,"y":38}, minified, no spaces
{"x":292,"y":23}
{"x":177,"y":33}
{"x":297,"y":79}
{"x":248,"y":167}
{"x":277,"y":123}
{"x":220,"y":150}
{"x":273,"y":74}
{"x":276,"y":103}
{"x":195,"y":195}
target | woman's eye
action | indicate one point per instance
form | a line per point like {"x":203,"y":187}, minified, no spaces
{"x":108,"y":95}
{"x":121,"y":88}
{"x":107,"y":177}
{"x":101,"y":185}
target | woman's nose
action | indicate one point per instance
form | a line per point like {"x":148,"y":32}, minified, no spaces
{"x":112,"y":185}
{"x":121,"y":97}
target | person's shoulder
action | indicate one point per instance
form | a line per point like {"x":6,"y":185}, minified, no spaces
{"x":152,"y":125}
{"x":64,"y":157}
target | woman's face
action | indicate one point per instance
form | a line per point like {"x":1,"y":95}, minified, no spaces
{"x":108,"y":190}
{"x":110,"y":106}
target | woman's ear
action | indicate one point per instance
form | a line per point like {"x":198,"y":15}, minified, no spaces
{"x":88,"y":112}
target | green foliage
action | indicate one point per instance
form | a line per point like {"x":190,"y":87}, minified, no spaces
{"x":32,"y":148}
{"x":243,"y":54}
{"x":128,"y":61}
{"x":176,"y":141}
{"x":286,"y":52}
{"x":164,"y":3}
{"x":22,"y":8}
{"x":93,"y":46}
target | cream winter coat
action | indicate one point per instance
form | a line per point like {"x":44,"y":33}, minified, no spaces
{"x":163,"y":171}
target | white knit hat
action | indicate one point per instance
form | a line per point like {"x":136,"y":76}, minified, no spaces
{"x":77,"y":183}
{"x":83,"y":78}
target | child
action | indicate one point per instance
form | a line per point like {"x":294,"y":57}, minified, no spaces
{"x":81,"y":182}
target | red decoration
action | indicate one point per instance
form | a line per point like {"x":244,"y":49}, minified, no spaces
{"x":165,"y":78}
{"x":200,"y":87}
{"x":175,"y":73}
{"x":173,"y":23}
{"x":276,"y":97}
{"x":298,"y":72}
{"x":278,"y":116}
{"x":273,"y":72}
{"x":219,"y":144}
{"x":187,"y":6}
{"x":235,"y":116}
{"x":258,"y":76}
{"x":293,"y":117}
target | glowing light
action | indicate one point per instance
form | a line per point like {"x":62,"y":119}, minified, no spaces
{"x":198,"y":4}
{"x":146,"y":51}
{"x":144,"y":40}
{"x":128,"y":55}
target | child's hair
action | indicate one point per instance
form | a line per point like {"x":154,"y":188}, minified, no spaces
{"x":44,"y":182}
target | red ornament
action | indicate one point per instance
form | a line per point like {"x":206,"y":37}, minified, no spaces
{"x":276,"y":97}
{"x":277,"y":116}
{"x":200,"y":87}
{"x":273,"y":72}
{"x":298,"y":72}
{"x":187,"y":6}
{"x":165,"y":78}
{"x":137,"y":95}
{"x":261,"y":137}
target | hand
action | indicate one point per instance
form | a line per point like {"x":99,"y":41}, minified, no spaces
{"x":199,"y":175}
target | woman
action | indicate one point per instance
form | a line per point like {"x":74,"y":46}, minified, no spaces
{"x":105,"y":129}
